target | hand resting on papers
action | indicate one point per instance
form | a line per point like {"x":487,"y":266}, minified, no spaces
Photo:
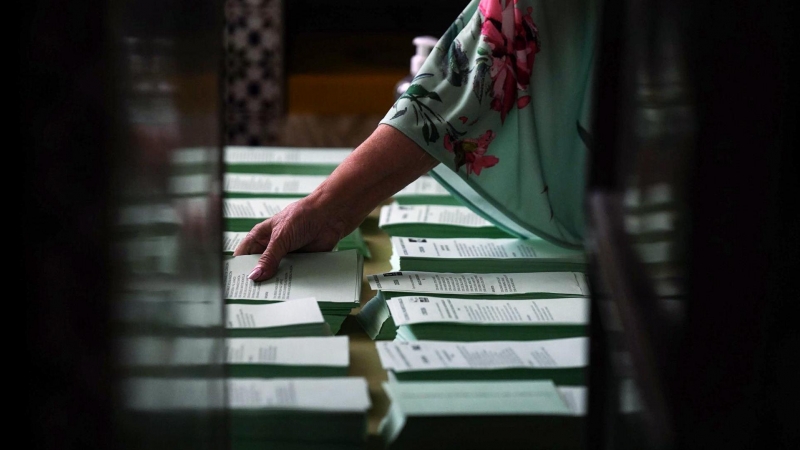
{"x":383,"y":164}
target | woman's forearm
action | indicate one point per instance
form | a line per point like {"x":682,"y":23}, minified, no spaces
{"x":383,"y":164}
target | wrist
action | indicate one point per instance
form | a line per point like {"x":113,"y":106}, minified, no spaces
{"x":385,"y":163}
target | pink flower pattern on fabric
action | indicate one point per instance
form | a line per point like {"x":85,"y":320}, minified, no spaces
{"x":471,"y":153}
{"x":513,"y":39}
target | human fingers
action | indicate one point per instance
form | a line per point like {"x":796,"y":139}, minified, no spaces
{"x":278,"y":246}
{"x":256,"y":240}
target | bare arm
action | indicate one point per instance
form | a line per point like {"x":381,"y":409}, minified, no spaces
{"x":383,"y":164}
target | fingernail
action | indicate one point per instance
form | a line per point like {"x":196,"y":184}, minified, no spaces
{"x":256,"y":273}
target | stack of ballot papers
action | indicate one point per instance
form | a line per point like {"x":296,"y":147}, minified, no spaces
{"x":562,"y":360}
{"x":298,"y":413}
{"x":333,"y":278}
{"x":242,"y":214}
{"x":288,"y":160}
{"x":376,"y":319}
{"x":480,"y":255}
{"x":436,"y":221}
{"x":273,"y":413}
{"x":455,"y":319}
{"x":288,"y":357}
{"x":425,"y":190}
{"x":299,"y":317}
{"x":484,"y":415}
{"x":245,"y":185}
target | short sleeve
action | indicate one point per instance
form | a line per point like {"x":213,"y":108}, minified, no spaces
{"x":503,"y":103}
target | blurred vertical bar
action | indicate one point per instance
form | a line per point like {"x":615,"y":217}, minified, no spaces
{"x":255,"y":92}
{"x":121,"y":120}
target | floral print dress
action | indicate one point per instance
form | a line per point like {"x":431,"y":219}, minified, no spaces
{"x":503,"y":102}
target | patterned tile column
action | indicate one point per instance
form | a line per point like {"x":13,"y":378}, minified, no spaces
{"x":255,"y":87}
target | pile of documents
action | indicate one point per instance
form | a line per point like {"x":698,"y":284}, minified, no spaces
{"x":246,"y":185}
{"x":242,"y":214}
{"x":303,"y":357}
{"x":300,"y":317}
{"x":436,"y":221}
{"x":266,"y":413}
{"x":482,"y":415}
{"x":480,"y":255}
{"x":463,"y":320}
{"x":294,"y":392}
{"x":506,"y":353}
{"x":562,"y":360}
{"x":484,"y":336}
{"x":332,"y":278}
{"x":292,"y":413}
{"x":376,"y":319}
{"x":284,"y":160}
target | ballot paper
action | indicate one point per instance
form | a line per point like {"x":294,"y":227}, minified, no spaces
{"x":231,"y":240}
{"x":436,"y":221}
{"x":375,"y":317}
{"x":300,"y":317}
{"x":560,"y":360}
{"x":546,"y":283}
{"x":481,"y":414}
{"x":480,"y":255}
{"x":342,"y":394}
{"x":333,"y":278}
{"x":269,"y":412}
{"x":289,"y":160}
{"x":480,"y":319}
{"x":242,"y":214}
{"x":288,"y":357}
{"x":270,"y":185}
{"x":299,"y":410}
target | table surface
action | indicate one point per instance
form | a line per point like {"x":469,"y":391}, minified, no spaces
{"x":364,"y":361}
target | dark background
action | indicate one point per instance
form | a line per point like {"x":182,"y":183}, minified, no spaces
{"x":720,"y":127}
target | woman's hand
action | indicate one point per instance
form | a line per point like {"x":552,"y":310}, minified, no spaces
{"x":302,"y":226}
{"x":385,"y":163}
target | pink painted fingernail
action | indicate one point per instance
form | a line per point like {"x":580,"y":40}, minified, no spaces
{"x":255,"y":273}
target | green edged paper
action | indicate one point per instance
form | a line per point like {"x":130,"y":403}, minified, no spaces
{"x":299,"y":317}
{"x":483,"y":414}
{"x":283,"y":160}
{"x":332,"y":278}
{"x":287,"y":357}
{"x":478,"y":255}
{"x":375,"y":317}
{"x":562,"y":360}
{"x":255,"y":185}
{"x":436,"y":221}
{"x":480,"y":319}
{"x":303,"y":410}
